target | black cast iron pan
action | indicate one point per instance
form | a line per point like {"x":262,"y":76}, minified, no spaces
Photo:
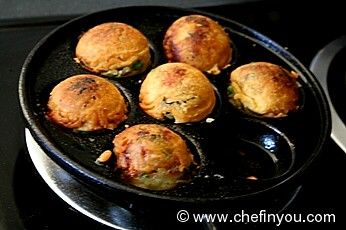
{"x":240,"y":155}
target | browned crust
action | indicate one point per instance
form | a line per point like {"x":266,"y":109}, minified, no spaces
{"x":265,"y":88}
{"x":112,"y":46}
{"x":177,"y":90}
{"x":86,"y":103}
{"x":146,"y":149}
{"x":199,"y":41}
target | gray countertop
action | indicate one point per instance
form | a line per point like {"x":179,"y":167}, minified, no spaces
{"x":22,"y":9}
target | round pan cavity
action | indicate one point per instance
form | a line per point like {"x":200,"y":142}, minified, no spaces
{"x":52,"y":60}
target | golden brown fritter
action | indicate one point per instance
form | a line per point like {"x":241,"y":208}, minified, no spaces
{"x":113,"y":49}
{"x":86,"y":103}
{"x":177,"y":91}
{"x":199,"y":41}
{"x":265,"y":88}
{"x":152,"y":156}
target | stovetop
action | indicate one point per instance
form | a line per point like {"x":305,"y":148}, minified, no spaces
{"x":26,"y":202}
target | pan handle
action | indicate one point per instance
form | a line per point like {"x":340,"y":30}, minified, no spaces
{"x":320,"y":66}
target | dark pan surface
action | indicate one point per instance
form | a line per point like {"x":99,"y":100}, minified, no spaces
{"x":231,"y":150}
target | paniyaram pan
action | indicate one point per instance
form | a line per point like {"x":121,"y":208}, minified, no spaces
{"x":232,"y":149}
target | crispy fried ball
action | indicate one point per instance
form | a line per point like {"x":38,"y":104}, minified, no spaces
{"x":113,"y":49}
{"x":86,"y":103}
{"x":177,"y":91}
{"x":264,"y":88}
{"x":199,"y":41}
{"x":152,"y":156}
